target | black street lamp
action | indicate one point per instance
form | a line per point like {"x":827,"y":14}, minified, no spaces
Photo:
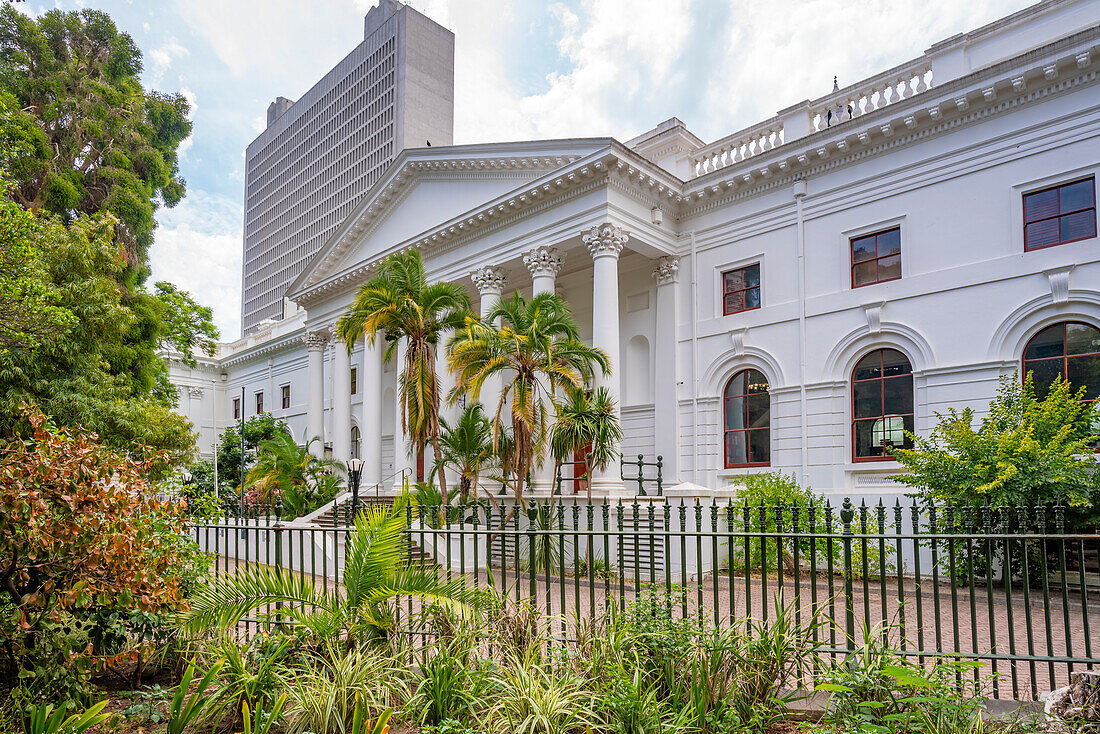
{"x":355,"y":471}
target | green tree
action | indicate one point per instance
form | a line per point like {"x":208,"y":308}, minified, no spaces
{"x":29,"y":312}
{"x":96,"y":376}
{"x":586,"y":422}
{"x":257,"y":429}
{"x":360,"y":608}
{"x":289,"y":473}
{"x":467,"y":448}
{"x":399,"y":303}
{"x":1025,"y":451}
{"x":93,"y":139}
{"x":538,"y":352}
{"x":187,"y":326}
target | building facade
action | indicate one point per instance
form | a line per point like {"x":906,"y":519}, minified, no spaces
{"x":793,"y":297}
{"x":321,"y":154}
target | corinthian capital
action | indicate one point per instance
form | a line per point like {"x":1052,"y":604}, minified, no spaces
{"x":488,"y":280}
{"x":543,"y":261}
{"x":605,"y":240}
{"x":667,"y":270}
{"x":195,"y":392}
{"x":316,"y":340}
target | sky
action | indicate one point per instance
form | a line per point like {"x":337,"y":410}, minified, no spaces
{"x":524,"y":69}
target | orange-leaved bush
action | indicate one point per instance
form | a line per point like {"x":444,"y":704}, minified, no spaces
{"x":80,"y":527}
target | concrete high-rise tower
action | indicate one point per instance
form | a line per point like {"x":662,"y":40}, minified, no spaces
{"x":321,"y":153}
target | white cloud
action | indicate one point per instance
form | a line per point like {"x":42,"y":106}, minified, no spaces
{"x":259,"y":123}
{"x":163,"y":57}
{"x":197,"y":247}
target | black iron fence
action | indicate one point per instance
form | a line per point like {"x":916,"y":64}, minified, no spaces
{"x":1012,"y":587}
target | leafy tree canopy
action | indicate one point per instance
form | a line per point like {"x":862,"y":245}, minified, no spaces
{"x":257,"y":430}
{"x":92,"y":138}
{"x":100,"y":375}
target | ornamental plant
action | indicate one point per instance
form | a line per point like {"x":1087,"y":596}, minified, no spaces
{"x":80,"y":531}
{"x":1024,"y":451}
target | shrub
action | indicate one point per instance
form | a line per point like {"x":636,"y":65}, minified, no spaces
{"x":1025,"y":451}
{"x":80,"y":531}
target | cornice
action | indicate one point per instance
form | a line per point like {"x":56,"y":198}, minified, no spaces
{"x":1032,"y":76}
{"x":282,"y":344}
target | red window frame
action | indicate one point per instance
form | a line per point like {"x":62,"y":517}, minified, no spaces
{"x":726,"y":293}
{"x":354,"y":379}
{"x":286,"y":396}
{"x":748,"y":431}
{"x":877,"y":259}
{"x":236,"y":409}
{"x":1063,"y":360}
{"x":1059,"y":215}
{"x":259,"y":402}
{"x":881,"y":379}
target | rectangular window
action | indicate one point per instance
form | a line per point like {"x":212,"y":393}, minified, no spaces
{"x":354,"y":379}
{"x":286,"y":396}
{"x":741,"y":289}
{"x":1060,"y":214}
{"x":876,"y":258}
{"x":259,"y":403}
{"x":236,"y":409}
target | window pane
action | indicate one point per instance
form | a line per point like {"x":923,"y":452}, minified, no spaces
{"x":734,"y":280}
{"x":1082,"y":339}
{"x":759,"y":410}
{"x":894,"y":363}
{"x":864,"y":444}
{"x":1042,"y":234}
{"x":1078,"y":226}
{"x":869,"y":367}
{"x":1041,"y":205}
{"x":1047,"y":343}
{"x":1085,"y":372}
{"x":735,"y":302}
{"x":752,"y":298}
{"x":756,"y":381}
{"x":889,"y":243}
{"x":889,"y":268}
{"x":863,"y":249}
{"x":760,"y":446}
{"x":1043,"y":373}
{"x":736,"y":448}
{"x":752,"y":275}
{"x":735,"y":413}
{"x":898,"y":395}
{"x":1076,"y":196}
{"x":736,"y":385}
{"x":865,"y":273}
{"x":866,"y":399}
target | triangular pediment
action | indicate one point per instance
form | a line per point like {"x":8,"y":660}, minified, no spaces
{"x":426,"y":187}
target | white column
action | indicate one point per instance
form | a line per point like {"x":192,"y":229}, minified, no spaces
{"x":544,"y":264}
{"x":402,"y":451}
{"x":315,"y":405}
{"x":372,"y":413}
{"x":489,"y":281}
{"x":604,"y":243}
{"x":341,"y":402}
{"x":665,"y":356}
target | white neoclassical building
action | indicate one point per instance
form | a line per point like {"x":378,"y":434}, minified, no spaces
{"x":793,"y":296}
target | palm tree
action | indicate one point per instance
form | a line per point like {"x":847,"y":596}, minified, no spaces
{"x":538,"y":352}
{"x":398,"y":302}
{"x":586,"y":422}
{"x":358,"y":609}
{"x":284,"y":470}
{"x":467,"y":447}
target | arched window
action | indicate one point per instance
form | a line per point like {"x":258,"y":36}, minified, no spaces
{"x":1069,"y":349}
{"x":882,"y":405}
{"x":747,"y":420}
{"x":355,"y":442}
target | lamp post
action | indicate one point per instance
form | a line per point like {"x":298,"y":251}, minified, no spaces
{"x":355,"y":471}
{"x":185,"y":480}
